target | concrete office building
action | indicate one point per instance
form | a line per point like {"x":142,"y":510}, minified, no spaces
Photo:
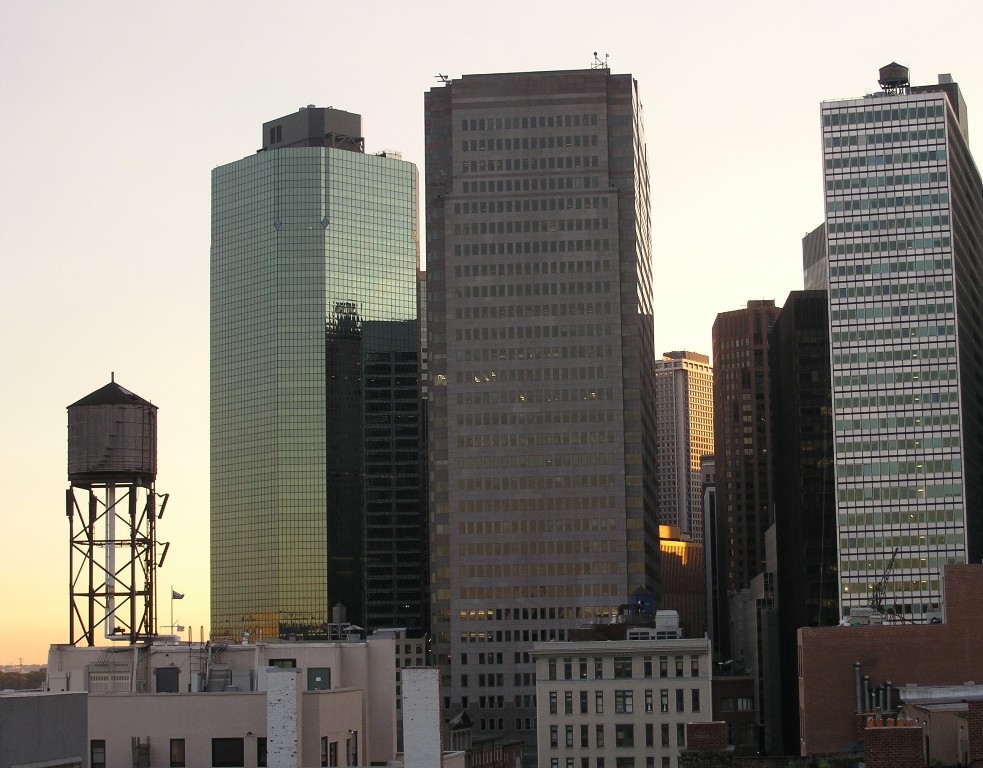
{"x":684,"y":435}
{"x":315,"y":426}
{"x":541,"y":411}
{"x":620,"y":702}
{"x":904,"y":223}
{"x":742,"y":455}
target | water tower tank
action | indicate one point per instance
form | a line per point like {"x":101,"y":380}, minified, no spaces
{"x":892,"y":76}
{"x":112,"y":438}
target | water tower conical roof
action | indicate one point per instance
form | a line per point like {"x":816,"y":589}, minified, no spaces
{"x":112,"y":394}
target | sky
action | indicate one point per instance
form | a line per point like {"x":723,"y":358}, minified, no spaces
{"x":113,"y":114}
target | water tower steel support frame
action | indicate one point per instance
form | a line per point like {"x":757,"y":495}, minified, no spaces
{"x":105,"y":592}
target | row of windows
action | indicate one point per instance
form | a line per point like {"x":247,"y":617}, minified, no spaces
{"x":558,"y":288}
{"x":593,"y":523}
{"x":896,"y":180}
{"x":896,"y":355}
{"x":894,"y":333}
{"x":903,"y":310}
{"x":884,"y":246}
{"x":540,"y":121}
{"x":624,"y":736}
{"x":530,"y":268}
{"x":551,"y":163}
{"x":898,"y":585}
{"x":893,"y":377}
{"x":512,"y":226}
{"x":876,"y":225}
{"x":504,"y":311}
{"x":619,"y":762}
{"x":231,"y":752}
{"x":895,"y":468}
{"x":892,"y":289}
{"x":538,"y":482}
{"x":510,"y":548}
{"x":535,"y":396}
{"x":916,"y":516}
{"x":899,"y":422}
{"x":529,"y":142}
{"x":896,"y":400}
{"x":535,"y":184}
{"x":623,"y":666}
{"x":932,"y":560}
{"x":624,"y":701}
{"x":515,"y":592}
{"x":895,"y":201}
{"x":537,"y":374}
{"x":531,"y":246}
{"x":895,"y":444}
{"x":897,"y":158}
{"x":510,"y":418}
{"x":527,"y":205}
{"x":867,"y":267}
{"x":529,"y":614}
{"x":883,"y":137}
{"x":522,"y":461}
{"x":861,"y":116}
{"x":541,"y":570}
{"x":532,"y":332}
{"x":526,"y":439}
{"x":889,"y":542}
{"x":950,"y":491}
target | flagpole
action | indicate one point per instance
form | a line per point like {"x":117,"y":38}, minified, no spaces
{"x":172,"y":609}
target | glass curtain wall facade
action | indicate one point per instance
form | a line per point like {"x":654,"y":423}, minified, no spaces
{"x":314,"y":406}
{"x":541,"y":409}
{"x":904,"y":222}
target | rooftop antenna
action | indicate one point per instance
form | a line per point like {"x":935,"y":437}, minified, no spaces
{"x":598,"y":63}
{"x":443,"y":78}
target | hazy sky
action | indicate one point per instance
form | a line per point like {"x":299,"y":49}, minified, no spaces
{"x":112,"y":115}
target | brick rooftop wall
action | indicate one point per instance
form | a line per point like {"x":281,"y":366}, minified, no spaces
{"x":894,"y":747}
{"x":706,"y":736}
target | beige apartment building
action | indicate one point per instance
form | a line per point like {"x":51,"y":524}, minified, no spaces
{"x":621,"y":703}
{"x":173,"y":703}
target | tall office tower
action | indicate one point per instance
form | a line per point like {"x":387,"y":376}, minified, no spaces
{"x":315,"y":468}
{"x":815,"y":265}
{"x":539,"y":310}
{"x":684,"y":430}
{"x":742,"y":443}
{"x":904,"y":221}
{"x":805,"y":506}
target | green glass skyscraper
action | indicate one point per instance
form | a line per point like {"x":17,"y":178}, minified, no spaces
{"x":315,"y":427}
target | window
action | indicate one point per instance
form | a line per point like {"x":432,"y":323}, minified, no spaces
{"x":694,"y":666}
{"x":727,"y":704}
{"x":648,"y":700}
{"x":583,"y":702}
{"x":598,"y":668}
{"x":228,"y":753}
{"x":599,"y":702}
{"x":333,"y":754}
{"x":583,"y":669}
{"x":680,"y":700}
{"x":624,"y":735}
{"x":664,"y":700}
{"x":584,"y":730}
{"x":568,"y":736}
{"x":623,"y":702}
{"x":283,"y":663}
{"x":599,"y":736}
{"x":745,"y":703}
{"x":552,"y":669}
{"x":624,"y":762}
{"x":324,"y":751}
{"x":696,"y":699}
{"x":552,"y":702}
{"x":554,"y":736}
{"x":622,"y":667}
{"x":665,"y":734}
{"x":679,"y":666}
{"x":568,"y":669}
{"x":648,"y":666}
{"x":177,"y":753}
{"x":97,"y":753}
{"x":663,"y":666}
{"x":568,"y":702}
{"x":649,"y":735}
{"x":261,"y":751}
{"x":681,"y":735}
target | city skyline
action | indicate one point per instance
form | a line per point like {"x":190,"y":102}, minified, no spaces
{"x":109,"y":215}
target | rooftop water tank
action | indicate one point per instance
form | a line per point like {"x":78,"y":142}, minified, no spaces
{"x":112,"y":438}
{"x":893,"y":75}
